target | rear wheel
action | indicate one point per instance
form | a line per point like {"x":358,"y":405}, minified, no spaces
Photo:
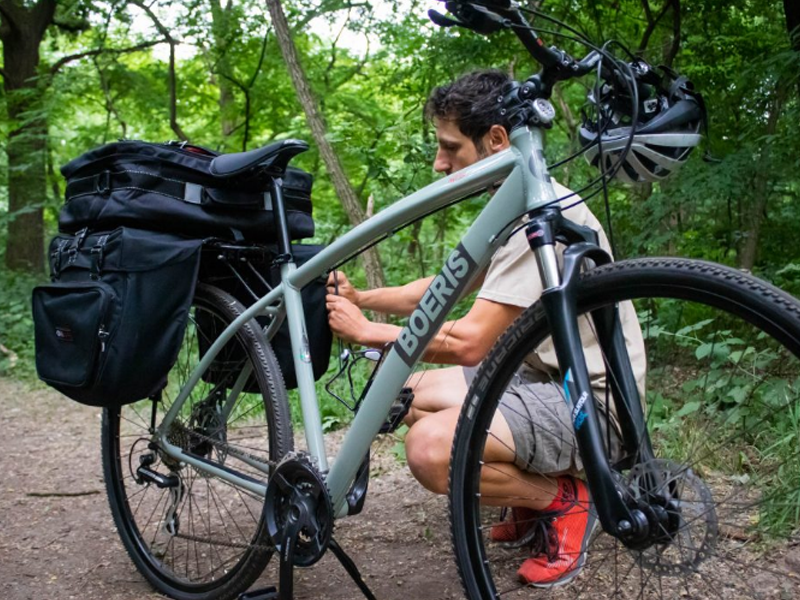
{"x":190,"y":534}
{"x":722,"y":411}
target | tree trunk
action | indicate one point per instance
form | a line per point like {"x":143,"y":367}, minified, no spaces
{"x":755,"y":216}
{"x":341,"y":184}
{"x":220,"y":28}
{"x":27,"y":181}
{"x":21,"y":32}
{"x":792,"y":10}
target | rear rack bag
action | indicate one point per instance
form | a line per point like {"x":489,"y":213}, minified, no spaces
{"x":109,"y":326}
{"x":169,"y":187}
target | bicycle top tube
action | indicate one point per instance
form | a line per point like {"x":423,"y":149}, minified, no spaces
{"x":526,"y":153}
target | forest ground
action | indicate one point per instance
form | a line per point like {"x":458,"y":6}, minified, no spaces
{"x":66,"y":547}
{"x":57,"y":538}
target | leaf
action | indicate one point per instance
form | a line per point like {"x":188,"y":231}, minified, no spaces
{"x":738,"y":394}
{"x":703,"y":350}
{"x":688,"y":409}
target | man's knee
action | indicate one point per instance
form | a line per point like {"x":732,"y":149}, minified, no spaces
{"x":428,"y":445}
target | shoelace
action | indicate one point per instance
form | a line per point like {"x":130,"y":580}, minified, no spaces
{"x":545,"y":540}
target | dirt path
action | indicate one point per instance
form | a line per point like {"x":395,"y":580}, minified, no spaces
{"x":57,"y":539}
{"x":66,"y":547}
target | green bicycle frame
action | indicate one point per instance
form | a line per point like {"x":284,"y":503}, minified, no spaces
{"x":527,"y":186}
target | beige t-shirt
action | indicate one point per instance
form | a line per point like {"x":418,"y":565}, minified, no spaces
{"x":513,"y":278}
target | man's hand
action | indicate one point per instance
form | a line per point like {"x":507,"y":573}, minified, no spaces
{"x":345,"y":288}
{"x":345,"y":319}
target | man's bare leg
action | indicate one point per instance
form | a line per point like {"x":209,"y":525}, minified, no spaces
{"x":428,"y":446}
{"x":436,"y":390}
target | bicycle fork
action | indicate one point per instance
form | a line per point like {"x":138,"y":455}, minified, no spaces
{"x":618,"y":518}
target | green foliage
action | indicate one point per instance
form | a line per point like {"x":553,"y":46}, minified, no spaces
{"x":16,"y":326}
{"x":719,"y":388}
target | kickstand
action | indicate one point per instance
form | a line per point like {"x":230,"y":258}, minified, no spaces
{"x":351,"y":568}
{"x":286,"y":571}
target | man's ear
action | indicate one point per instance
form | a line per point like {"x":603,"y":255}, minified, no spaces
{"x":497,"y":138}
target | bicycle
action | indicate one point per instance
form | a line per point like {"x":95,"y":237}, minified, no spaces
{"x":204,"y":485}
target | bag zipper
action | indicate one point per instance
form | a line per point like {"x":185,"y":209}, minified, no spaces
{"x":103,"y":334}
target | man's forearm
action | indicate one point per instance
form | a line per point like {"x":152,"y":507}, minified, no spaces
{"x":401,"y":300}
{"x":452,"y":345}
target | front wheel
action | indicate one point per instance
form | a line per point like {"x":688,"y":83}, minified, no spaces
{"x":721,"y":406}
{"x":195,"y":536}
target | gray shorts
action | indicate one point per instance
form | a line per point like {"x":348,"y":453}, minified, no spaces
{"x":541,"y":424}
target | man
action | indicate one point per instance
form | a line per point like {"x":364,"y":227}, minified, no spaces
{"x":529,"y":463}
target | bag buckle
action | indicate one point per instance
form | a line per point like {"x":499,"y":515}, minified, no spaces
{"x":102,"y":183}
{"x":75,"y":247}
{"x":55,"y":265}
{"x":98,"y":254}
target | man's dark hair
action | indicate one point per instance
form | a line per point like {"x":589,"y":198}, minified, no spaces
{"x":470,"y":102}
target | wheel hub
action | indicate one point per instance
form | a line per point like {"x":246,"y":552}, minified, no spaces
{"x":680,"y":512}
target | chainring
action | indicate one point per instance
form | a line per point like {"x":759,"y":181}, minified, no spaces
{"x":297,"y":481}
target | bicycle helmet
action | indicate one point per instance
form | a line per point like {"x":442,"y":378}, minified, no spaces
{"x":669,"y":122}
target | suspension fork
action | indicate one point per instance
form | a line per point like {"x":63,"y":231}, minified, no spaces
{"x":560,"y":303}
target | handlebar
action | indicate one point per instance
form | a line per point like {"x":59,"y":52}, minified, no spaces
{"x":488,"y":16}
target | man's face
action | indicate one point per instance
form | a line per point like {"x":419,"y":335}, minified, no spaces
{"x":456,"y":150}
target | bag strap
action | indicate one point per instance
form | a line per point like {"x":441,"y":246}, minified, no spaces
{"x":98,"y":254}
{"x":76,"y":244}
{"x":55,"y":258}
{"x":105,"y":182}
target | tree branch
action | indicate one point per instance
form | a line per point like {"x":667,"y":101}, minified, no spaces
{"x":260,"y":61}
{"x":325,"y":8}
{"x":651,"y":23}
{"x":72,"y":26}
{"x":676,"y":33}
{"x":173,"y":95}
{"x":97,"y":51}
{"x":9,"y":12}
{"x":43,"y":13}
{"x":109,"y":101}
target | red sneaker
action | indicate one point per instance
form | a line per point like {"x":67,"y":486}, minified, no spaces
{"x":569,"y":536}
{"x":517,"y":530}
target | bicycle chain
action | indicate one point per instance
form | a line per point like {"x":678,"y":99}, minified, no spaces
{"x":219,"y":444}
{"x":210,"y":541}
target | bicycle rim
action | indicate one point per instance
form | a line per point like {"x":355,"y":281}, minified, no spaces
{"x":203,"y":538}
{"x":722,"y":411}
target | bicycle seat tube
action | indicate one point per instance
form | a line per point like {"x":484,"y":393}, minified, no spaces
{"x":297,"y":330}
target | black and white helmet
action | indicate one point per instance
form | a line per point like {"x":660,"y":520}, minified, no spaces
{"x":670,"y":118}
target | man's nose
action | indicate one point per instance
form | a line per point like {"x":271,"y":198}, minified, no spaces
{"x":440,"y":163}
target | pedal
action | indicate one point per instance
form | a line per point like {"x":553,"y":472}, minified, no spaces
{"x":145,"y":475}
{"x":268,"y":593}
{"x":398,"y":411}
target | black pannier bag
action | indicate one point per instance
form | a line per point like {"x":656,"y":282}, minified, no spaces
{"x":110,"y":325}
{"x":248,"y":274}
{"x":169,"y":187}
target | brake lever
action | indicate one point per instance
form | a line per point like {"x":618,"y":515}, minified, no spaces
{"x":470,"y":16}
{"x":443,"y":20}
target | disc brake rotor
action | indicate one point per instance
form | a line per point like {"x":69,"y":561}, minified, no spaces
{"x":688,"y":527}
